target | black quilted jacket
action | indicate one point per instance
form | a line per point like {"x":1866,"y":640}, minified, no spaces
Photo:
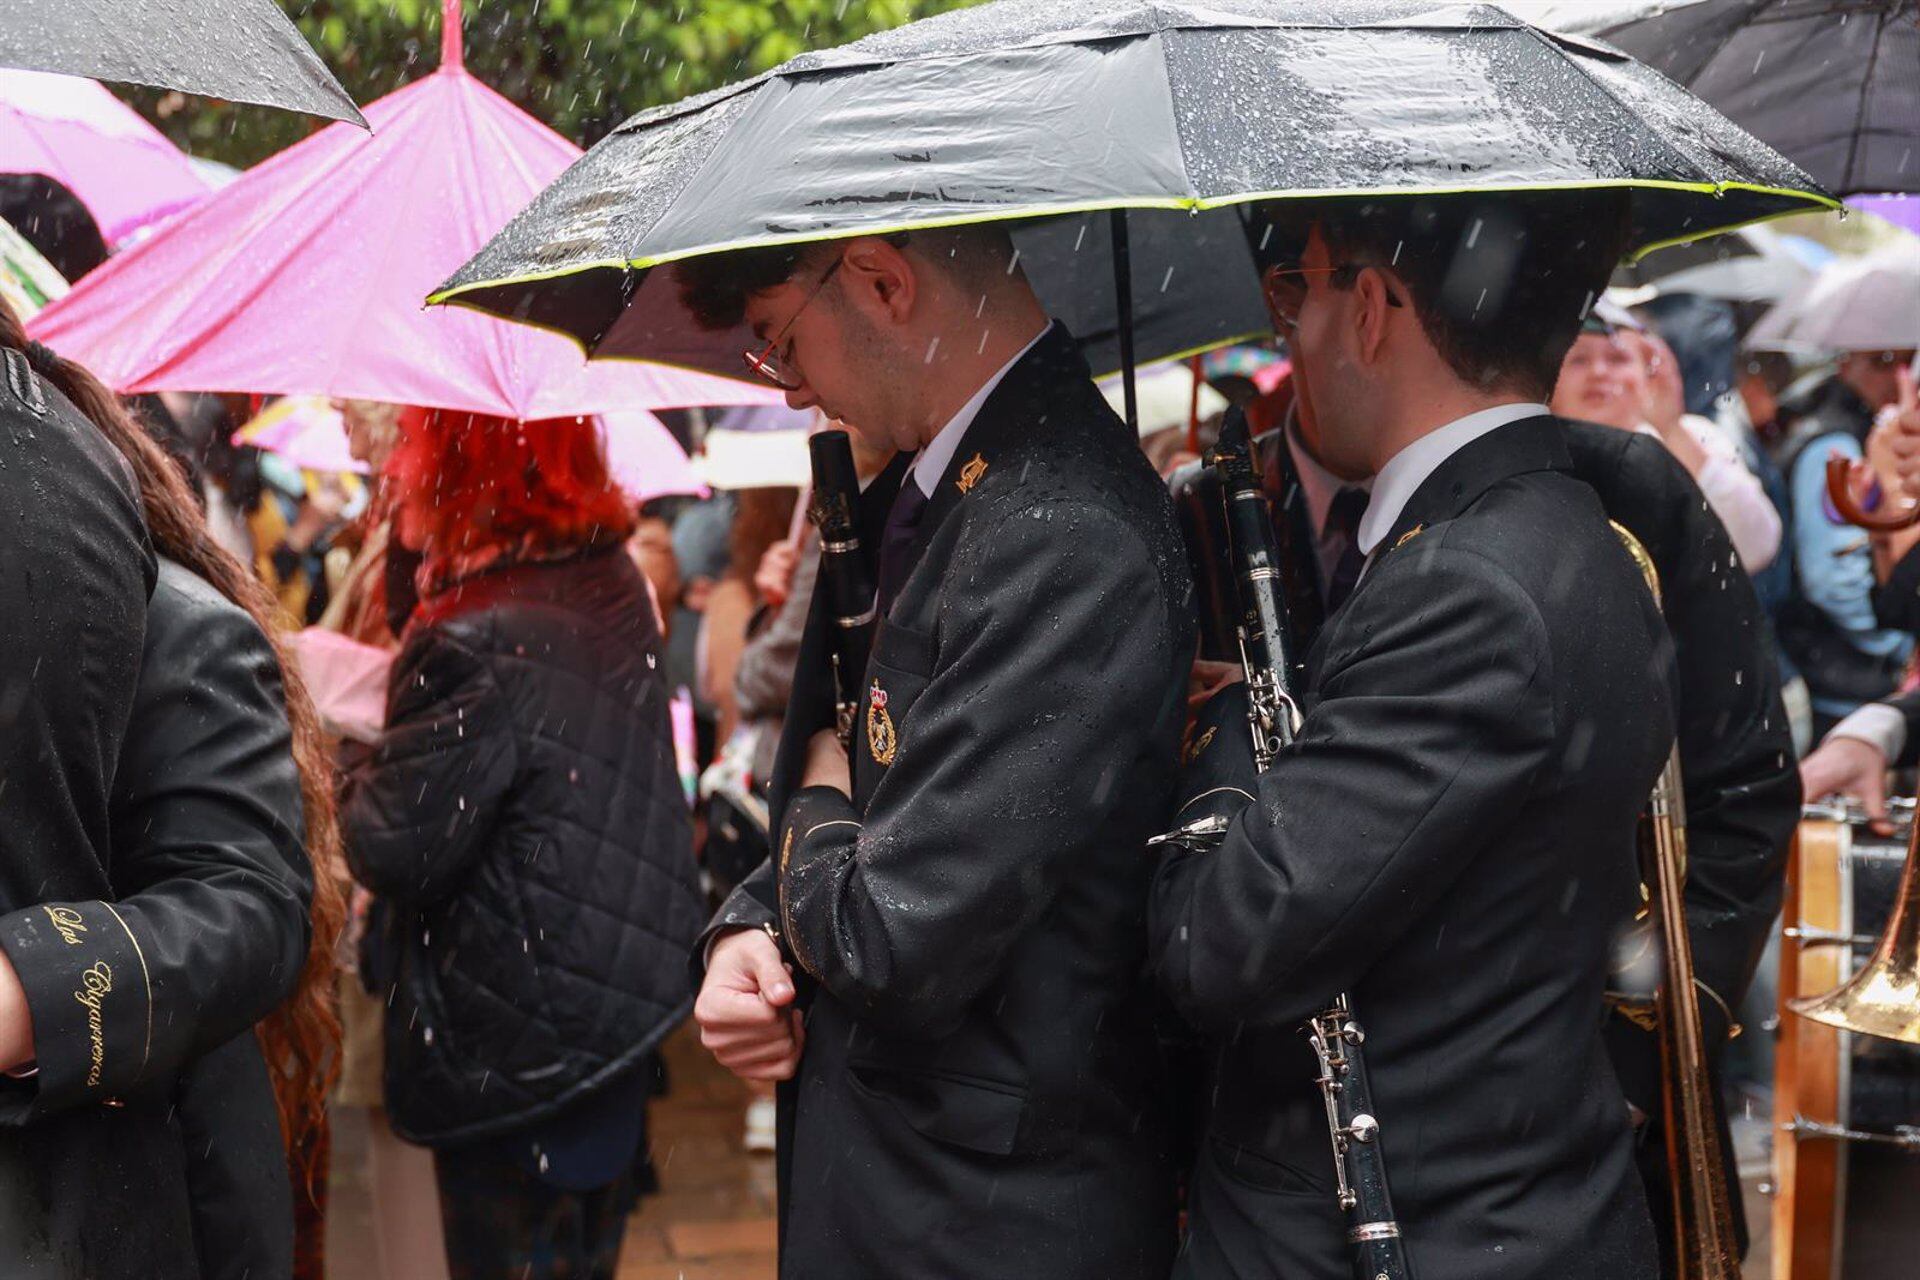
{"x":523,"y":823}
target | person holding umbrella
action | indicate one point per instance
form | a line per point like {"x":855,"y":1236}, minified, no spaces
{"x":1449,"y":836}
{"x":976,"y":1087}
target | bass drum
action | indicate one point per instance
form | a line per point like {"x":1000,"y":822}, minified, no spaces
{"x":1846,"y":1151}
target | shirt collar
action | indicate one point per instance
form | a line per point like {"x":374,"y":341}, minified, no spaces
{"x":1408,"y":469}
{"x":1317,"y":484}
{"x":932,"y":461}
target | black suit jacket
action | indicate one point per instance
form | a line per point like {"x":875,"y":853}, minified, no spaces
{"x":1451,"y":839}
{"x":979,"y":1094}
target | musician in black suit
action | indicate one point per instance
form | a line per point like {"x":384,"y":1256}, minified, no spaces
{"x":1736,"y":752}
{"x":1451,"y":837}
{"x":977,"y":1091}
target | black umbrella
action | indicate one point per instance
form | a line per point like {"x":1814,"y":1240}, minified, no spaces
{"x":1075,"y":108}
{"x":1833,"y":84}
{"x":240,"y":50}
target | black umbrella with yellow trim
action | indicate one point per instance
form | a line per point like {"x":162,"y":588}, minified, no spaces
{"x":1125,"y":133}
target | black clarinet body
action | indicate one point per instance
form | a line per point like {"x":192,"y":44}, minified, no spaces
{"x":846,"y":570}
{"x":1266,"y":641}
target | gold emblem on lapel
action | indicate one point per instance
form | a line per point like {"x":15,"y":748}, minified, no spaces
{"x":971,"y":473}
{"x":1409,"y":536}
{"x":786,"y":850}
{"x":1191,"y":749}
{"x":881,"y":739}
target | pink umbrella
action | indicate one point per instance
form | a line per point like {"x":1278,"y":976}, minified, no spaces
{"x":306,"y":274}
{"x":73,"y":131}
{"x":309,"y":432}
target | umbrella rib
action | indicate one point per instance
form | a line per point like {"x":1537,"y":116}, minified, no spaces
{"x":1866,"y":91}
{"x":1619,"y":102}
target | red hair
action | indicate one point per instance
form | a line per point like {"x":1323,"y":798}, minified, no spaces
{"x":471,"y":481}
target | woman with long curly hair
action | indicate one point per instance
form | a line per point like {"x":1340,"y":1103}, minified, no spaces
{"x":523,"y":827}
{"x":224,"y":759}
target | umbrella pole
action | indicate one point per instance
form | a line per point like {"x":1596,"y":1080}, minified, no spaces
{"x":1123,"y":302}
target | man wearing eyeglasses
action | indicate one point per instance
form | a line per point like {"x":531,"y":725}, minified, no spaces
{"x":975,"y":1083}
{"x":1450,"y":839}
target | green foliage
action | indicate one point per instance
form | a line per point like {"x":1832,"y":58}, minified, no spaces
{"x":582,"y":66}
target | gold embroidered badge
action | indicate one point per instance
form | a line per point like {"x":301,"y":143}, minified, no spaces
{"x":881,"y":739}
{"x":1190,"y":750}
{"x":786,"y":849}
{"x":1409,"y":536}
{"x":971,"y":473}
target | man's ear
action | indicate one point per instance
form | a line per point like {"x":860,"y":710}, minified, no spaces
{"x":1374,"y":304}
{"x":880,"y":279}
{"x":1269,"y":282}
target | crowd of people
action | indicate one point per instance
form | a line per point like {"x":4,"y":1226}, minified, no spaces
{"x":239,"y":899}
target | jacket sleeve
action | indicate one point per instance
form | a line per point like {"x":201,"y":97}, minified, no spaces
{"x":209,"y":928}
{"x":424,"y":805}
{"x":763,"y":681}
{"x":1435,"y":714}
{"x":1037,"y":704}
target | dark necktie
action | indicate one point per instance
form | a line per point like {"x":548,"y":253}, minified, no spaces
{"x":1343,"y":519}
{"x":896,"y":542}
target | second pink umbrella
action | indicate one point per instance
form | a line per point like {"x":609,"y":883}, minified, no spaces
{"x":74,"y":131}
{"x":306,"y":274}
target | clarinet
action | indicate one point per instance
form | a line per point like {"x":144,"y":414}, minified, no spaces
{"x":846,"y":574}
{"x":1360,"y":1171}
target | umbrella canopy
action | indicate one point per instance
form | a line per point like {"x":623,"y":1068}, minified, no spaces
{"x":305,"y":430}
{"x":28,"y":281}
{"x":304,"y":275}
{"x":1833,"y":84}
{"x":240,"y":50}
{"x":1859,"y":304}
{"x":75,"y":132}
{"x":309,"y":432}
{"x":1754,"y":264}
{"x":1033,"y":107}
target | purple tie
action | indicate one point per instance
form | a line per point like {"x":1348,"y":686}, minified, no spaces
{"x":896,"y":543}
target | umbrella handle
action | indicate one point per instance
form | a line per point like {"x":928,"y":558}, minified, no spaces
{"x":1888,"y":520}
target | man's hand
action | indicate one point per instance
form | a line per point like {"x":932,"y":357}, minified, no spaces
{"x":1208,"y":678}
{"x":16,"y":1019}
{"x":774,"y":578}
{"x":744,"y":1011}
{"x":1894,"y":444}
{"x":827,"y":764}
{"x":1849,"y":766}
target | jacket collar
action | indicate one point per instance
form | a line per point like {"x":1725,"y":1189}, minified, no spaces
{"x":1015,"y":411}
{"x":1527,"y":445}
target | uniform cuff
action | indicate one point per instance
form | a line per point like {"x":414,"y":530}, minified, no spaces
{"x":90,"y":998}
{"x":1878,"y":725}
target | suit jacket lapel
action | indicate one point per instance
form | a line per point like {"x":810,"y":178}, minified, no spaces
{"x":1016,"y":407}
{"x":1531,"y":444}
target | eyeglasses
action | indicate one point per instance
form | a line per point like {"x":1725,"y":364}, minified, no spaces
{"x":1287,"y":288}
{"x":775,"y":365}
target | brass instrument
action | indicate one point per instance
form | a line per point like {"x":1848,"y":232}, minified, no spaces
{"x":1706,"y":1246}
{"x":1883,"y":998}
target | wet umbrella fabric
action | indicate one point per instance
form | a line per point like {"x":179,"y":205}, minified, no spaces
{"x":121,"y":168}
{"x":304,"y":275}
{"x":1860,"y":304}
{"x":1754,"y":264}
{"x":1177,"y":112}
{"x":240,"y":50}
{"x":1833,"y":84}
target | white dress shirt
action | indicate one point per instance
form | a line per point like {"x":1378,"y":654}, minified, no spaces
{"x":1408,"y":469}
{"x":934,"y":456}
{"x":1876,"y":724}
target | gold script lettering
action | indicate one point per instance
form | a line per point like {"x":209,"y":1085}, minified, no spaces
{"x":68,"y":922}
{"x":94,"y":984}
